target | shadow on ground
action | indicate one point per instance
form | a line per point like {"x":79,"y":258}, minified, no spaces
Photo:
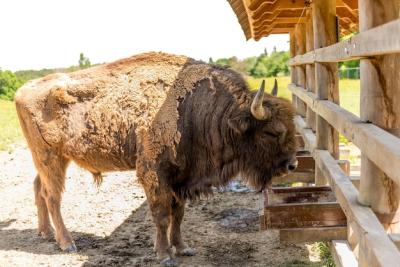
{"x":222,"y":229}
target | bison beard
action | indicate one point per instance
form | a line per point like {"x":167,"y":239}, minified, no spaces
{"x":184,"y":125}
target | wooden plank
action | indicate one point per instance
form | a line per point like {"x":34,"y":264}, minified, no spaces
{"x":308,"y":134}
{"x":379,"y":146}
{"x":313,"y":234}
{"x":307,"y":58}
{"x":311,"y":194}
{"x":306,"y":163}
{"x":376,"y":41}
{"x":374,"y":243}
{"x":342,"y":254}
{"x":299,"y":215}
{"x":345,"y":165}
{"x":309,"y":138}
{"x":355,"y":181}
{"x":295,"y":177}
{"x":396,"y":239}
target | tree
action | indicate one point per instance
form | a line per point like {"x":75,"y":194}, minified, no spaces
{"x":260,"y":69}
{"x":9,"y":83}
{"x":84,"y":62}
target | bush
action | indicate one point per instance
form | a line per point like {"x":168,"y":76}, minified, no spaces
{"x":9,"y":83}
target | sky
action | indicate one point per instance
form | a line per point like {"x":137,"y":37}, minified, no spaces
{"x":51,"y":33}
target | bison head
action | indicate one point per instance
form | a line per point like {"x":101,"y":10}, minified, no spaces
{"x":265,"y":135}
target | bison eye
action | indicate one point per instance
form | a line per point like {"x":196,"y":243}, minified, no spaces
{"x":271,"y":134}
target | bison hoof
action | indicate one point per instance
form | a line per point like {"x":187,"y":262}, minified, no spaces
{"x":169,"y":262}
{"x":186,"y":252}
{"x":47,"y":235}
{"x":70,"y":249}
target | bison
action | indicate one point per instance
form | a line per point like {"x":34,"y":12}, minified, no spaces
{"x":184,"y":125}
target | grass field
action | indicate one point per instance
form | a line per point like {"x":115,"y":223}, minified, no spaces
{"x":9,"y":124}
{"x":349,"y":99}
{"x":349,"y":91}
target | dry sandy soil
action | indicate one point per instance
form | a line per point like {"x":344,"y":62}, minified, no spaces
{"x":111,"y":225}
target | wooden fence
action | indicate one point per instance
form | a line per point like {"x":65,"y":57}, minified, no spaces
{"x":372,"y":211}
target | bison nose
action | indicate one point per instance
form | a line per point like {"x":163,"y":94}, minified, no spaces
{"x":292,"y":165}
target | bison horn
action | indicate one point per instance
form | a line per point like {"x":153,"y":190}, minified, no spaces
{"x":257,"y":109}
{"x":274,"y":91}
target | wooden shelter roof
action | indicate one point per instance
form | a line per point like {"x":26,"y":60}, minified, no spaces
{"x":260,"y":18}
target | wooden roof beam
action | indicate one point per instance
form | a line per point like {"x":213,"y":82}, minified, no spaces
{"x":276,"y":25}
{"x":345,"y":12}
{"x":278,"y":20}
{"x":266,"y":7}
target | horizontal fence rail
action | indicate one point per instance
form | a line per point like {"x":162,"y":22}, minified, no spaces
{"x":379,"y":248}
{"x":380,"y":146}
{"x":377,"y":41}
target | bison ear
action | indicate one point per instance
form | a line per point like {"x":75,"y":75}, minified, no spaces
{"x":240,"y":124}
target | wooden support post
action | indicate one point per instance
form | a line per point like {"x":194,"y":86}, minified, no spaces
{"x":310,"y":70}
{"x":380,"y":104}
{"x":293,"y":76}
{"x":300,"y":49}
{"x":326,"y":76}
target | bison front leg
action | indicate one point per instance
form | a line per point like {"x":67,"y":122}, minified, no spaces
{"x":175,"y":237}
{"x":160,"y":205}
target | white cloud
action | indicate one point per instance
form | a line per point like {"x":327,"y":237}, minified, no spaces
{"x":52,"y":33}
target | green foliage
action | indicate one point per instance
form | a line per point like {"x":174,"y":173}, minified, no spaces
{"x":84,"y":62}
{"x":26,"y":75}
{"x":9,"y":83}
{"x":325,"y":254}
{"x":271,"y":66}
{"x":264,"y":65}
{"x":349,"y":69}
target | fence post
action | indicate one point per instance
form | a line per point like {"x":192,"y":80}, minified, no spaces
{"x":380,"y":104}
{"x":293,"y":72}
{"x":300,"y":49}
{"x":326,"y":76}
{"x":310,"y":70}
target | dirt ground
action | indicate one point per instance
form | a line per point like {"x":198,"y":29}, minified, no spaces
{"x":111,"y":225}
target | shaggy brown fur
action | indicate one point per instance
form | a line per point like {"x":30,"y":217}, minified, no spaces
{"x":182,"y":124}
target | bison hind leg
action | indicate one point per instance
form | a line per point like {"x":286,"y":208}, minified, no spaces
{"x":44,"y":226}
{"x":52,"y":169}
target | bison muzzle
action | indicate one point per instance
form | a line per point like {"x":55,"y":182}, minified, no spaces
{"x":184,"y":125}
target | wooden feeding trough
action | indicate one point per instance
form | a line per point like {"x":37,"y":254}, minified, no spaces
{"x":303,"y":214}
{"x":307,"y":213}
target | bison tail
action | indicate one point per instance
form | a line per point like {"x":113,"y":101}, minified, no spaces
{"x":98,"y":178}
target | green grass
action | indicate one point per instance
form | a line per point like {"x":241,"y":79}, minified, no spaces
{"x":283,"y":82}
{"x":10,"y":130}
{"x":349,"y":91}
